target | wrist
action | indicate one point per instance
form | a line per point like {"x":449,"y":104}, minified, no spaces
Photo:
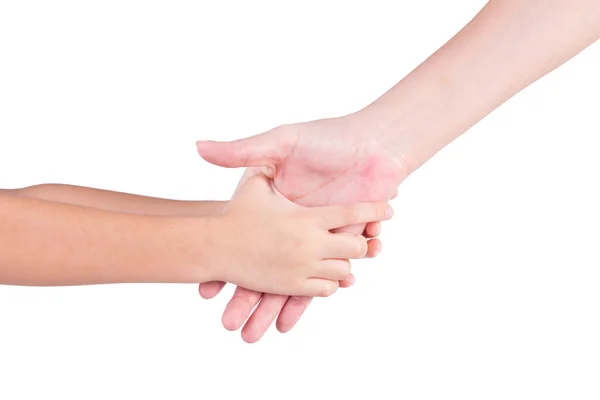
{"x":410,"y":122}
{"x":428,"y":109}
{"x":216,"y":253}
{"x":230,"y":244}
{"x":191,"y":247}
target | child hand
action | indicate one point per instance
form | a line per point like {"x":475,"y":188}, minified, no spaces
{"x":270,"y":244}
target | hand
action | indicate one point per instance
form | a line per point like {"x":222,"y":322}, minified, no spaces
{"x":314,"y":163}
{"x":324,"y":162}
{"x":295,"y":252}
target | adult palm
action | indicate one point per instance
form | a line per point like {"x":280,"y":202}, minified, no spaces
{"x":316,"y":163}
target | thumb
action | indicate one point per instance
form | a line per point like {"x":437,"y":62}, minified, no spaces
{"x":255,"y":186}
{"x":265,"y":149}
{"x":259,"y":192}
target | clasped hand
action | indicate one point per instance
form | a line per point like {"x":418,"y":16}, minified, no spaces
{"x":318,"y":163}
{"x":284,"y":248}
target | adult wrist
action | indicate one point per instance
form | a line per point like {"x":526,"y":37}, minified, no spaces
{"x":403,"y":124}
{"x":420,"y":115}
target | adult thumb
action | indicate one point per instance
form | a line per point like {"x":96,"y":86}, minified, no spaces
{"x":261,"y":150}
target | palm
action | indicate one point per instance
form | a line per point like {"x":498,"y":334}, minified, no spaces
{"x":326,"y":165}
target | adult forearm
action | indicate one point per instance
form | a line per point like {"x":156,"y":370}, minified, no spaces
{"x":505,"y":48}
{"x":118,"y":202}
{"x":50,"y":243}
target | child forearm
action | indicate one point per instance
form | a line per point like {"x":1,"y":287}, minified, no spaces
{"x":262,"y":241}
{"x":116,"y":201}
{"x":50,"y":243}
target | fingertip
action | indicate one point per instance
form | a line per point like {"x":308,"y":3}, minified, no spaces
{"x":373,"y":229}
{"x":331,"y":288}
{"x":203,"y":145}
{"x":281,"y":327}
{"x":249,"y":337}
{"x":348,"y":282}
{"x":374,"y":248}
{"x":231,"y":324}
{"x":239,"y":308}
{"x":291,"y":313}
{"x":208,"y":290}
{"x":204,"y":293}
{"x":323,"y":287}
{"x":389,"y":212}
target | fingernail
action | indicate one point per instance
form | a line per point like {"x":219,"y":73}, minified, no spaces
{"x":389,"y":212}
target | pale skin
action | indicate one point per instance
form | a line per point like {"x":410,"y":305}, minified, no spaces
{"x":364,"y":156}
{"x":57,"y":235}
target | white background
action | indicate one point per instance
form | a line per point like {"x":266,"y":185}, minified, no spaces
{"x":488,"y":286}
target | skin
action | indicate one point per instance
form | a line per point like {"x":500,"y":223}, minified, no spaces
{"x":109,"y":200}
{"x":316,"y":258}
{"x":506,"y":47}
{"x":143,"y":205}
{"x":52,"y":243}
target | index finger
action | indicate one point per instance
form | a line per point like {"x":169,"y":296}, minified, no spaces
{"x":359,"y":213}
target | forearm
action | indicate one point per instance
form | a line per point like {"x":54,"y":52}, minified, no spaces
{"x":49,"y":243}
{"x":118,"y":202}
{"x":505,"y":48}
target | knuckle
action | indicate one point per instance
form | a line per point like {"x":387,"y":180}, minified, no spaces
{"x":310,"y":248}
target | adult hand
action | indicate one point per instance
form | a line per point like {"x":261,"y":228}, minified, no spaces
{"x":323,"y":162}
{"x":341,"y":160}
